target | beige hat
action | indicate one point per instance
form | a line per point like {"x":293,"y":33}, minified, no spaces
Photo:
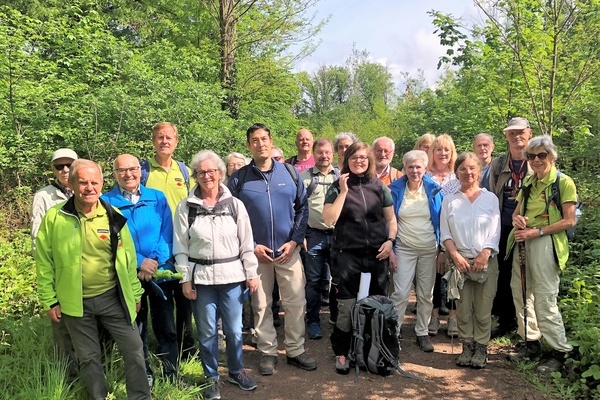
{"x":517,"y":123}
{"x":64,"y":153}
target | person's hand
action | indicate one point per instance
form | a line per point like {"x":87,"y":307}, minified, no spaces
{"x":148,"y":268}
{"x":481,"y":261}
{"x":287,"y":250}
{"x":385,"y":250}
{"x":344,"y":183}
{"x":144,"y":276}
{"x":253,"y":284}
{"x":522,"y":235}
{"x":188,"y":290}
{"x":441,"y":262}
{"x":54,"y":313}
{"x":393,"y":262}
{"x":263,"y":253}
{"x":520,"y":222}
{"x":461,"y":263}
{"x":138,"y":305}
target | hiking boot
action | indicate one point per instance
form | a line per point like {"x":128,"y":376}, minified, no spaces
{"x":434,"y":326}
{"x":464,"y":360}
{"x":303,"y":361}
{"x":267,"y":364}
{"x":554,"y":363}
{"x":342,"y":366}
{"x":452,"y":327}
{"x":425,"y":343}
{"x":314,"y":331}
{"x":242,"y":380}
{"x":480,"y":358}
{"x":212,"y":392}
{"x":529,"y":352}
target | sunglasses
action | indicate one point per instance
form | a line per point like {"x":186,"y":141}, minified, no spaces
{"x":541,"y":156}
{"x":60,"y":167}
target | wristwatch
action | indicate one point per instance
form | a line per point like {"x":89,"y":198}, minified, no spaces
{"x":541,"y":231}
{"x":392,"y":240}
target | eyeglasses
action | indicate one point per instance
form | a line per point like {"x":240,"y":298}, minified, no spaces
{"x":123,"y":171}
{"x":60,"y":167}
{"x":541,"y":156}
{"x":278,"y":158}
{"x":209,"y":172}
{"x":359,"y":158}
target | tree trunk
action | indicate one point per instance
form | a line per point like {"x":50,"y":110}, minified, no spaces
{"x":228,"y":39}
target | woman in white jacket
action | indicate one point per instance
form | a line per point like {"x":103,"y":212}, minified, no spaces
{"x":214,"y":250}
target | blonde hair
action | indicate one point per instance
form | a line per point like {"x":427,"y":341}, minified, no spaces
{"x":156,"y":128}
{"x":443,"y":140}
{"x":426,"y":137}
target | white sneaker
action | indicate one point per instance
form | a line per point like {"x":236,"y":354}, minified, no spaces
{"x":434,"y":326}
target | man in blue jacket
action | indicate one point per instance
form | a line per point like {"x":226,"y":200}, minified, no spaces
{"x":151,"y":225}
{"x":276,"y":201}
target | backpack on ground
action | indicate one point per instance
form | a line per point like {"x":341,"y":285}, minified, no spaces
{"x":145,"y":169}
{"x":374,"y":345}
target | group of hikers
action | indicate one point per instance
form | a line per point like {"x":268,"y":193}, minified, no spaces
{"x":472,"y":234}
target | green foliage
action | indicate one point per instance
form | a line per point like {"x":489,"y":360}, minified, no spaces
{"x":18,"y":294}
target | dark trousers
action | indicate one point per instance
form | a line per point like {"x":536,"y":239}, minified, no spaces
{"x":346,"y":272}
{"x":172,"y":325}
{"x":317,"y":268}
{"x":107,"y":310}
{"x":504,"y":307}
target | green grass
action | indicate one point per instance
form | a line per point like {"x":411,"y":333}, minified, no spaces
{"x":29,"y":368}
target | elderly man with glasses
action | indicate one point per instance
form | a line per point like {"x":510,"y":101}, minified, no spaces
{"x":151,"y":225}
{"x":44,"y":199}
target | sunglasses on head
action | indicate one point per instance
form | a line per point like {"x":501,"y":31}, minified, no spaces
{"x":60,"y":167}
{"x":532,"y":156}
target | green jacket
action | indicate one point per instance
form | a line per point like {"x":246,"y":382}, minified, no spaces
{"x":58,"y":260}
{"x":568,"y":194}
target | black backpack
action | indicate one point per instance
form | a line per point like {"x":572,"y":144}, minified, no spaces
{"x":374,"y":345}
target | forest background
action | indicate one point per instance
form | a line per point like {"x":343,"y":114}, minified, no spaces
{"x":95,"y":76}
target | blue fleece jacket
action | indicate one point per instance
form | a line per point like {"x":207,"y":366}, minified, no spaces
{"x":434,"y":195}
{"x":277,"y":206}
{"x":150,"y":223}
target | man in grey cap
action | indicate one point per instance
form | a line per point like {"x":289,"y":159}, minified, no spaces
{"x":506,"y":176}
{"x":47,"y":197}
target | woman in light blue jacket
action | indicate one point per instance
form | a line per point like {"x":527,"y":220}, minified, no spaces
{"x":417,"y":204}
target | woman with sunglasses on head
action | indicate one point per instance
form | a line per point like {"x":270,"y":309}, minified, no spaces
{"x":540,"y":226}
{"x":213,"y":247}
{"x":361,"y":207}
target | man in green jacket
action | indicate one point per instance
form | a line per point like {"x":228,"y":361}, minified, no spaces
{"x":86,"y":269}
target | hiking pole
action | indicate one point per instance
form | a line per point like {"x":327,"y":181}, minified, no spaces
{"x":523,"y":266}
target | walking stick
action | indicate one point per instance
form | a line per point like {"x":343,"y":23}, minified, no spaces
{"x":523,"y":266}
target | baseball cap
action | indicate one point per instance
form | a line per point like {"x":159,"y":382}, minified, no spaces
{"x":64,"y":153}
{"x":517,"y":123}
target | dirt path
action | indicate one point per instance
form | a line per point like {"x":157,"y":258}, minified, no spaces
{"x":444,"y":380}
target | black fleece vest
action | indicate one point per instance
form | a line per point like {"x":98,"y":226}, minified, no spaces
{"x":361,"y":224}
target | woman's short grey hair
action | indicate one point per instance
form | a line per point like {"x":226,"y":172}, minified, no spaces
{"x":543,"y":142}
{"x":204,"y":155}
{"x":239,"y":156}
{"x":344,"y":136}
{"x":415,"y":155}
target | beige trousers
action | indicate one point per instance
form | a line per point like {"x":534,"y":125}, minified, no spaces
{"x":543,"y":278}
{"x":291,"y":280}
{"x":474,"y":309}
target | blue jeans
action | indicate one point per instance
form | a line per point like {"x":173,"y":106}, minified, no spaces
{"x":317,"y":269}
{"x":224,"y":300}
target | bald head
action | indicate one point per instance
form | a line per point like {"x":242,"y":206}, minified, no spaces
{"x":304,"y":141}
